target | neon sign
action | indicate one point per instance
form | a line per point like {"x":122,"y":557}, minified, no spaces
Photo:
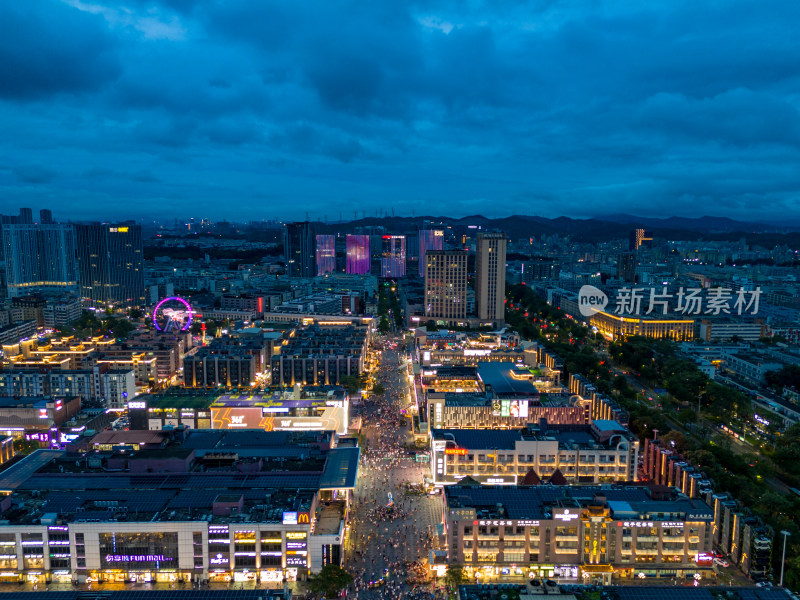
{"x":455,"y":450}
{"x":138,"y":558}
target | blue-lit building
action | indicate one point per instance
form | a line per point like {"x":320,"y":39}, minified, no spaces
{"x":393,"y":256}
{"x":358,"y":255}
{"x":429,"y":239}
{"x":326,"y":254}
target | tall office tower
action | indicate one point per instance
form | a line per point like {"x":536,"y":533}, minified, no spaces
{"x":25,"y":216}
{"x":393,"y":256}
{"x":490,"y":276}
{"x":326,"y":254}
{"x":638,"y":238}
{"x":46,"y":216}
{"x":39,"y":258}
{"x":298,"y":248}
{"x":358,"y":254}
{"x":111,"y":264}
{"x":446,"y":284}
{"x":626,"y":266}
{"x":429,"y":239}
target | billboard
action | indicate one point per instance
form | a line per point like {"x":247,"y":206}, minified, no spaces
{"x":512,"y":408}
{"x":237,"y":417}
{"x":266,"y":418}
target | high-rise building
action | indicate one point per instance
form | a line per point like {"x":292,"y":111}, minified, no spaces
{"x":39,"y":258}
{"x":298,"y":248}
{"x":358,"y":254}
{"x":326,"y":254}
{"x":111,"y":264}
{"x":638,"y":238}
{"x":446,"y":284}
{"x":393,"y":257}
{"x":490,"y":276}
{"x":25,"y":216}
{"x":626,"y":266}
{"x":429,"y":239}
{"x":46,"y":216}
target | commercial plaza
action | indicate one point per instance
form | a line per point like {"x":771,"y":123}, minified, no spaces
{"x":214,"y":506}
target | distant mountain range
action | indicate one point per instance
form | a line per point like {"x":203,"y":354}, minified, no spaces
{"x":707,"y":224}
{"x":598,"y":229}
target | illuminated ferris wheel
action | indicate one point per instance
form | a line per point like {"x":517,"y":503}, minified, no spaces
{"x":172,"y":314}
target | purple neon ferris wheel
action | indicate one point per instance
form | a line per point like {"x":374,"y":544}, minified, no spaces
{"x":172,"y":314}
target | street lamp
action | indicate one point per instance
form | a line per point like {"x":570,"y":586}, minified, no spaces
{"x":785,"y":535}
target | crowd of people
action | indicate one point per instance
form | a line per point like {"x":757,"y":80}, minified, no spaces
{"x":389,"y":539}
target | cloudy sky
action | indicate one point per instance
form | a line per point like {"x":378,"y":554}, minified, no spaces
{"x":249,"y":109}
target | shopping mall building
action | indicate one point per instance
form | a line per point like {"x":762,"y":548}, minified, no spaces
{"x":585,"y":533}
{"x":214,"y":509}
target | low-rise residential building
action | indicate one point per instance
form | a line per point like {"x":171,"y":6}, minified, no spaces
{"x":321,"y":354}
{"x":100,"y":385}
{"x":751,"y":366}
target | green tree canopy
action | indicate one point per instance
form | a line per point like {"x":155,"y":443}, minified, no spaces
{"x":331,"y":580}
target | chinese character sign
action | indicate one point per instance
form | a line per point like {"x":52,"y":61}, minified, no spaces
{"x":659,"y":302}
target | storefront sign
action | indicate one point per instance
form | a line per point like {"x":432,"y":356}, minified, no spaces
{"x":296,"y":518}
{"x":295,"y":561}
{"x":566,"y":516}
{"x":664,"y":524}
{"x":137,"y":558}
{"x":566,"y":571}
{"x":703,"y":559}
{"x":455,"y":451}
{"x":295,"y":535}
{"x":761,"y":420}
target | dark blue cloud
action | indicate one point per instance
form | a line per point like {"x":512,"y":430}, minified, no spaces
{"x":53,"y":48}
{"x":181,"y":106}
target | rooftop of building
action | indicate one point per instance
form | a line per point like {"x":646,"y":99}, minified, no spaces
{"x":249,"y":440}
{"x":140,"y":437}
{"x":506,"y":378}
{"x":71,"y":487}
{"x":540,"y":502}
{"x":26,"y":402}
{"x":199,"y":400}
{"x":568,"y":436}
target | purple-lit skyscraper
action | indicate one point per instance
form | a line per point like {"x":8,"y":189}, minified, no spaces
{"x":358,"y":257}
{"x":326,"y":254}
{"x":429,"y":239}
{"x":393,"y":257}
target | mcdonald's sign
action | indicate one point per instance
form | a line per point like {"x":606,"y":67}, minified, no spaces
{"x":296,"y":518}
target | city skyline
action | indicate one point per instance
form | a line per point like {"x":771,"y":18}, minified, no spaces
{"x":168,"y":108}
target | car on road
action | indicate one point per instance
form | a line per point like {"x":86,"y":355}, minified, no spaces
{"x":721,"y":562}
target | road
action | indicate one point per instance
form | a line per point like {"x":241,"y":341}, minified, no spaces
{"x":388,"y":533}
